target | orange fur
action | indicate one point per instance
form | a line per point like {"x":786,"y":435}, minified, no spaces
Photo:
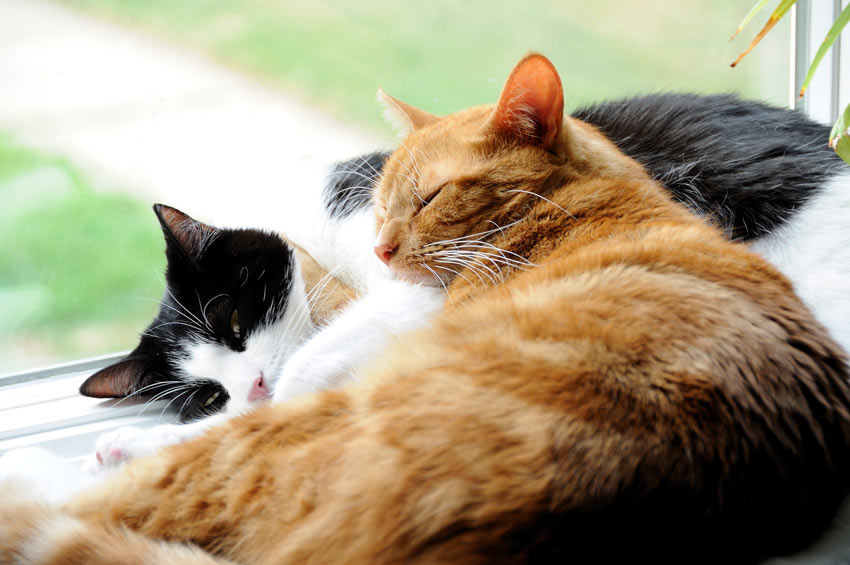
{"x":329,"y":295}
{"x":644,"y":389}
{"x":32,"y":532}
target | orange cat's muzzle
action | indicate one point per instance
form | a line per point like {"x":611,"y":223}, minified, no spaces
{"x":386,"y":243}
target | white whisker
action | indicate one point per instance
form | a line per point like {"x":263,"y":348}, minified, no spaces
{"x":190,"y":321}
{"x":188,"y":400}
{"x":204,"y":310}
{"x":474,"y":235}
{"x":436,"y":276}
{"x":543,"y":198}
{"x":162,"y":413}
{"x":475,"y":256}
{"x":453,"y":271}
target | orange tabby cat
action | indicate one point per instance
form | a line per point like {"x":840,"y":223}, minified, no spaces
{"x":610,"y":378}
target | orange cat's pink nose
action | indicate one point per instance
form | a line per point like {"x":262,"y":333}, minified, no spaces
{"x":385,"y":251}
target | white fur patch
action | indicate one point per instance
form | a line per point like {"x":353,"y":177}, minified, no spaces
{"x":813,"y":250}
{"x":358,"y":335}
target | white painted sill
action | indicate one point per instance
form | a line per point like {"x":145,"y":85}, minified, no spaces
{"x":43,"y":408}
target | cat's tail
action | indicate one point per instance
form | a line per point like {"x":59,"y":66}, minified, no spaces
{"x":35,"y":533}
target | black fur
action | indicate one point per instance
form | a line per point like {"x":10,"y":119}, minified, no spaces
{"x":745,"y":165}
{"x":211,"y":272}
{"x":350,"y":184}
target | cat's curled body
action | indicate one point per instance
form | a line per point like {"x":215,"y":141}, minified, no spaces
{"x":762,"y":175}
{"x":634,"y":386}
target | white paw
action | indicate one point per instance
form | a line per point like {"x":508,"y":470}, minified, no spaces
{"x":115,"y":447}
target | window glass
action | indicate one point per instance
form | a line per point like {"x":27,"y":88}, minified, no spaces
{"x":108,"y":106}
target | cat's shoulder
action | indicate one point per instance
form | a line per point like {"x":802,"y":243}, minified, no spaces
{"x":749,"y":164}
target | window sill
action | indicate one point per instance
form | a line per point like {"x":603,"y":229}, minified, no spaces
{"x":44,"y":409}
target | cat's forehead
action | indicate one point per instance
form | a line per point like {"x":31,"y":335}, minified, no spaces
{"x":419,"y":175}
{"x":431,"y":158}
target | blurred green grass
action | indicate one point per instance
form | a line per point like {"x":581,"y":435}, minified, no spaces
{"x":445,"y":55}
{"x":80,"y":270}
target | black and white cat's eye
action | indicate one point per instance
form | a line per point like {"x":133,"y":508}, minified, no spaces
{"x":235,"y":329}
{"x":212,"y":398}
{"x":207,"y":399}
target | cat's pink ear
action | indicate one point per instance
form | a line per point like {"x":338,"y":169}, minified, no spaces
{"x":115,"y":381}
{"x":191,"y":236}
{"x":531,"y":106}
{"x":403,"y":116}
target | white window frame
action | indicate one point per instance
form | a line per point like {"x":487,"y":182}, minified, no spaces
{"x":829,"y":92}
{"x":43,"y":408}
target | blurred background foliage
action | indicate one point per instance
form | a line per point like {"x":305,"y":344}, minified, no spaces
{"x":81,"y":267}
{"x":445,"y":55}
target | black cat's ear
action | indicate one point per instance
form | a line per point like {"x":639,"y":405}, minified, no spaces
{"x":117,"y":380}
{"x":404,"y":117}
{"x":189,"y":235}
{"x":531,"y":106}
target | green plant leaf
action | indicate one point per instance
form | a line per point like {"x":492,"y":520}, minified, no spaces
{"x":777,"y":14}
{"x":750,"y":15}
{"x":839,"y":137}
{"x":830,"y":38}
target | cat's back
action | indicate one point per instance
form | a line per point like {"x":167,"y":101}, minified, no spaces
{"x":668,"y":354}
{"x":751,"y":164}
{"x":761,"y":173}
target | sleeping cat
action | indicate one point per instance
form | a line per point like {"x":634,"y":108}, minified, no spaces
{"x":762,"y":174}
{"x":239,"y":302}
{"x":234,"y":310}
{"x":627,"y":385}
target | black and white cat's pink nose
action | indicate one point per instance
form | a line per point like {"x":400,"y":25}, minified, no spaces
{"x":384,"y":251}
{"x":259,"y":390}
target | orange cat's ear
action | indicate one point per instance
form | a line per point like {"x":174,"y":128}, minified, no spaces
{"x":531,"y":106}
{"x":404,"y":116}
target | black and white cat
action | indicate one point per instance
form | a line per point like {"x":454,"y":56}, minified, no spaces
{"x":235,"y":326}
{"x":233,"y":312}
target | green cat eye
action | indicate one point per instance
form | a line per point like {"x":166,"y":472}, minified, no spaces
{"x":234,"y":324}
{"x":211,"y":399}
